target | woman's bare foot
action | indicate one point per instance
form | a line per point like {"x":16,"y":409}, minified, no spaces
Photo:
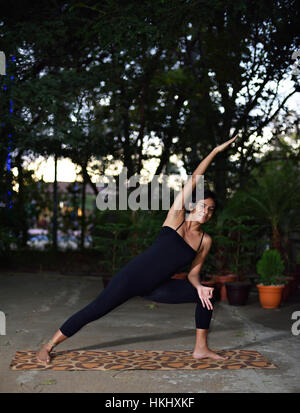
{"x":44,"y":354}
{"x":206,"y":353}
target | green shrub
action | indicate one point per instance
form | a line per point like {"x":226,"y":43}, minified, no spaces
{"x":270,"y":268}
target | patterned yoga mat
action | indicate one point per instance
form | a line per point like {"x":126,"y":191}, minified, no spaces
{"x":139,"y":360}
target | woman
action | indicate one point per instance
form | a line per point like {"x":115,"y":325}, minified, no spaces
{"x":149,"y":274}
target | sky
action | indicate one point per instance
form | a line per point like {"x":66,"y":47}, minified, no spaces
{"x":68,"y":172}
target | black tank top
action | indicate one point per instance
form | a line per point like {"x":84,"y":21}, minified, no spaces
{"x":184,"y":239}
{"x":171,"y":243}
{"x":167,"y":255}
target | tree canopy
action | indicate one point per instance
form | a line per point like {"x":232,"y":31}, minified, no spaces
{"x":97,"y":78}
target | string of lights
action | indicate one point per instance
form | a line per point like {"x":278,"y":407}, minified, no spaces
{"x":4,"y":67}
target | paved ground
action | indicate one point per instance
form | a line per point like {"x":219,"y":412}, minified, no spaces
{"x":37,"y":304}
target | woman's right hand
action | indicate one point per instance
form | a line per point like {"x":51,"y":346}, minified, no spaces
{"x":205,"y":295}
{"x":223,"y":146}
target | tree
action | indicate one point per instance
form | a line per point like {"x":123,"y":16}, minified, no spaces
{"x":273,"y":199}
{"x":217,"y":69}
{"x":187,"y":72}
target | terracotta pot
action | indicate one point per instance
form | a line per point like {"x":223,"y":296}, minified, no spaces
{"x":221,"y":280}
{"x":237,"y":292}
{"x":211,"y":284}
{"x":180,"y":276}
{"x":270,"y":295}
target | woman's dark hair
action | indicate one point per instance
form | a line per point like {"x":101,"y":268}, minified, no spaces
{"x":207,"y":194}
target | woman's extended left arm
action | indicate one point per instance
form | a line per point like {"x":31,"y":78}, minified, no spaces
{"x":189,"y":186}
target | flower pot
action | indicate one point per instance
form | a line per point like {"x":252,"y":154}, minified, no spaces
{"x":270,"y":295}
{"x":237,"y":292}
{"x":221,"y":280}
{"x":211,"y":284}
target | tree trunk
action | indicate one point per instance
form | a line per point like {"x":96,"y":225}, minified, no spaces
{"x":220,"y":179}
{"x":21,"y":204}
{"x":276,"y":244}
{"x":55,"y":197}
{"x":83,"y":217}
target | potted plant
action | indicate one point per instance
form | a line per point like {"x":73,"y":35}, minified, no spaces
{"x":236,"y":247}
{"x":271,"y":280}
{"x":243,"y":240}
{"x":221,"y":280}
{"x":221,"y":273}
{"x":111,"y":242}
{"x":238,"y":290}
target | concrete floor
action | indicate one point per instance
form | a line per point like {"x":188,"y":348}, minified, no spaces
{"x":36,"y":305}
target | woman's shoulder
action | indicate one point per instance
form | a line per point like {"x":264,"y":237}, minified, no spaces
{"x":207,"y":240}
{"x":174,"y":218}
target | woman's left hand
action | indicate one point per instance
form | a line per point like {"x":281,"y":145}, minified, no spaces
{"x":205,"y":295}
{"x":223,"y":146}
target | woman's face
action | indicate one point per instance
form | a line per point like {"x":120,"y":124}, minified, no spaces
{"x":203,"y":210}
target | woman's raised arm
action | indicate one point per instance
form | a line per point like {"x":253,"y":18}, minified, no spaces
{"x":189,"y":186}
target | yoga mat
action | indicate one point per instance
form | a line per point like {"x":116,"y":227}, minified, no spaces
{"x":139,"y":360}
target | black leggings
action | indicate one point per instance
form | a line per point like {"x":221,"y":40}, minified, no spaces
{"x":172,"y":291}
{"x":176,"y":291}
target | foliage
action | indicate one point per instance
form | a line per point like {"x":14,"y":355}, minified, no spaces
{"x":298,"y":259}
{"x":95,"y":79}
{"x":272,"y":197}
{"x":270,"y":267}
{"x":120,"y":238}
{"x":242,"y":237}
{"x":185,"y":73}
{"x":112,"y":244}
{"x":7,"y":240}
{"x":235,"y":239}
{"x":262,"y":213}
